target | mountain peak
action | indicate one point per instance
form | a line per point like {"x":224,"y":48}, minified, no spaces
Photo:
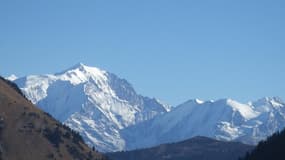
{"x":94,"y":102}
{"x":274,"y":101}
{"x":270,"y":99}
{"x":81,"y":73}
{"x":79,"y":65}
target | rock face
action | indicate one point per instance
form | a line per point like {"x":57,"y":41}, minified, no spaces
{"x":196,"y":148}
{"x":28,"y":133}
{"x":93,"y":102}
{"x":223,"y":119}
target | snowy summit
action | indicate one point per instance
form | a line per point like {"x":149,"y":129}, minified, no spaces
{"x":94,"y":102}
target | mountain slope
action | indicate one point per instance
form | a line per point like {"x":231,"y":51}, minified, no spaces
{"x":224,"y":119}
{"x":197,"y":148}
{"x":91,"y":101}
{"x":271,"y":148}
{"x":27,"y":133}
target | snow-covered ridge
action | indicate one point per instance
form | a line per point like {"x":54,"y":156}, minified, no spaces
{"x":96,"y":103}
{"x":245,"y":110}
{"x":224,"y":119}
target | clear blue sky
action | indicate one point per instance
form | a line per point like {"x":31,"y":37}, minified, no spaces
{"x":174,"y":50}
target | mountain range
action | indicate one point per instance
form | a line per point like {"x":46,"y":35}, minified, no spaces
{"x":223,"y":119}
{"x":110,"y":115}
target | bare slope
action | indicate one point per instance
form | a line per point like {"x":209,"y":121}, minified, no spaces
{"x":28,"y":133}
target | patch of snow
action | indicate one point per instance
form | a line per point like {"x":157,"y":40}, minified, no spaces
{"x":12,"y":77}
{"x":199,"y":101}
{"x":246,"y":111}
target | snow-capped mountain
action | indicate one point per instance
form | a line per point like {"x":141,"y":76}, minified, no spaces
{"x":111,"y":116}
{"x":223,"y":119}
{"x":93,"y":102}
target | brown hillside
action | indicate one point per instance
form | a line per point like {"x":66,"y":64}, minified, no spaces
{"x":27,"y":133}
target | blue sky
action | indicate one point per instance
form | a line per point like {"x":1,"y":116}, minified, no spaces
{"x":172,"y":50}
